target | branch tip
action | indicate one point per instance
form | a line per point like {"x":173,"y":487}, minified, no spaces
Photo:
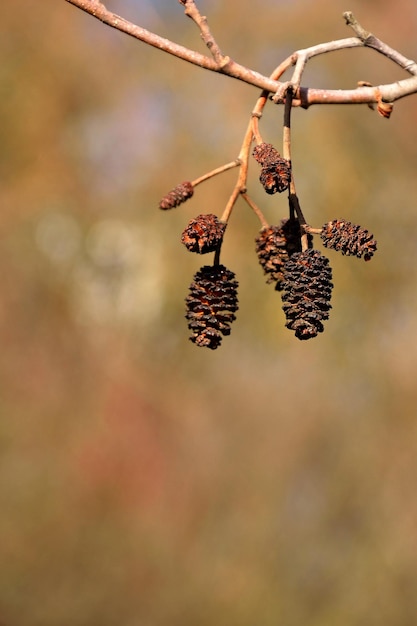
{"x":360,"y":32}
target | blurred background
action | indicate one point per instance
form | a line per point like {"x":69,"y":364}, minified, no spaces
{"x":148,"y":482}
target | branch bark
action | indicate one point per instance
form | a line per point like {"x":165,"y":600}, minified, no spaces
{"x":303,"y":96}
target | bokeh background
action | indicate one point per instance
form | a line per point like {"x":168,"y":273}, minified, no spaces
{"x":145,"y":481}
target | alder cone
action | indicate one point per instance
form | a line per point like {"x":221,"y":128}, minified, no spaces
{"x":203,"y":234}
{"x":180,"y":194}
{"x":211,"y":305}
{"x":349,"y":239}
{"x":272,"y":252}
{"x":307,"y":290}
{"x":275,"y":245}
{"x":275,"y":172}
{"x":275,"y":178}
{"x":266,"y":154}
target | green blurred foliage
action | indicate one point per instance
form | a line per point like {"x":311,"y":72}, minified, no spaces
{"x":144,"y":481}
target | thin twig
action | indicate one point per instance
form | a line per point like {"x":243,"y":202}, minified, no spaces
{"x":369,"y":40}
{"x":295,"y":207}
{"x":215,"y":172}
{"x":240,"y":186}
{"x":286,"y":138}
{"x":256,"y":210}
{"x":362,"y":95}
{"x":206,"y":35}
{"x":255,"y":129}
{"x":301,"y":57}
{"x":311,"y":230}
{"x":293,"y":201}
{"x":230,"y":204}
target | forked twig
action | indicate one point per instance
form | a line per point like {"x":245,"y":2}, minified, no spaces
{"x":303,"y":96}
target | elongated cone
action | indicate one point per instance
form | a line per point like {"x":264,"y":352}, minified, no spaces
{"x":181,"y":193}
{"x":350,"y":239}
{"x":211,"y":305}
{"x":307,"y":290}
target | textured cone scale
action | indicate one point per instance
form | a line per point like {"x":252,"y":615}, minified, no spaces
{"x":276,"y":171}
{"x":203,"y":234}
{"x":211,"y":305}
{"x":274,"y":246}
{"x":181,"y":193}
{"x":349,"y":239}
{"x":307,"y":290}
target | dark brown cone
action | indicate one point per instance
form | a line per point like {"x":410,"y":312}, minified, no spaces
{"x":181,"y":193}
{"x":276,"y":178}
{"x":349,"y":239}
{"x":276,"y":171}
{"x":274,"y":246}
{"x":307,"y":291}
{"x":272,"y":252}
{"x":211,"y":305}
{"x":203,"y":234}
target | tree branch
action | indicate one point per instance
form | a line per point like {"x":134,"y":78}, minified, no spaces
{"x":303,"y":96}
{"x":233,"y":69}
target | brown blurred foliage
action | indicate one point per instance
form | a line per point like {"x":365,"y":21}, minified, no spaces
{"x":144,"y":481}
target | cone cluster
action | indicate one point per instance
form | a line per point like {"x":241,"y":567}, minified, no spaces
{"x":203,"y":234}
{"x":349,"y":239}
{"x":181,"y":193}
{"x":211,"y":305}
{"x":275,"y":170}
{"x":307,"y":290}
{"x":285,"y":252}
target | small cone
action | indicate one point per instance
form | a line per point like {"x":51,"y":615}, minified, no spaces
{"x":276,"y":171}
{"x":181,"y":193}
{"x":203,"y":234}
